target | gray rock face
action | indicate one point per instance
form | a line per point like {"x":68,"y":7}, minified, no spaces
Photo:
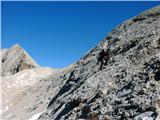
{"x":127,"y":87}
{"x":14,"y":60}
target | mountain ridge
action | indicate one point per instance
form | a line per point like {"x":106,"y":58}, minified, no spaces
{"x":127,"y":88}
{"x":133,"y":42}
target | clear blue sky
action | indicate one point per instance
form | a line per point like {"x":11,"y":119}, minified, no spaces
{"x":57,"y":34}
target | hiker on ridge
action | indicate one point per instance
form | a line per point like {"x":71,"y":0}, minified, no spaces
{"x":103,"y":57}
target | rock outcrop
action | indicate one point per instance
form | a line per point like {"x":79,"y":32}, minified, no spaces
{"x":15,"y":59}
{"x":127,"y":87}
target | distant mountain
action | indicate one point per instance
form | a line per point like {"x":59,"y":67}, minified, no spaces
{"x":15,"y":59}
{"x":21,"y":79}
{"x":127,"y":87}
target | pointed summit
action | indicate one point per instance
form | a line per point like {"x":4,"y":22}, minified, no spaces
{"x":16,"y":46}
{"x":15,"y":59}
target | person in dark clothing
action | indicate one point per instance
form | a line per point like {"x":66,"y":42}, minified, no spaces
{"x":107,"y":56}
{"x":101,"y":56}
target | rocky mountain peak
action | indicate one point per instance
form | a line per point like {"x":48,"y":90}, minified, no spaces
{"x":15,"y":59}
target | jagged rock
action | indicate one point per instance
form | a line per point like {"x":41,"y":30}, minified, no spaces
{"x":127,"y":88}
{"x":15,"y":59}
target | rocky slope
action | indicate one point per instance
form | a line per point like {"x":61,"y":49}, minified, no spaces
{"x":25,"y":86}
{"x":127,"y":88}
{"x":27,"y":92}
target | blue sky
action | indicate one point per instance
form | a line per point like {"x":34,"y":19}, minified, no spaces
{"x":57,"y":34}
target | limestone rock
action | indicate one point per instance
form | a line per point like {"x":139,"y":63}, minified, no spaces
{"x":128,"y":86}
{"x":15,"y":59}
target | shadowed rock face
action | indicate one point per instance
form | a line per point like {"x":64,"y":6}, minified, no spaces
{"x":127,"y":88}
{"x":15,"y":59}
